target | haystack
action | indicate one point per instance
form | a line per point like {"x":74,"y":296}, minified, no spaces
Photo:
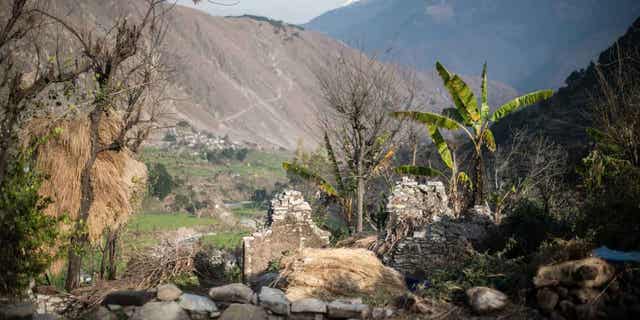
{"x":339,"y":273}
{"x":118,"y":178}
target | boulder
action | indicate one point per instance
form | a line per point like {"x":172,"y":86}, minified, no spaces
{"x":585,"y":295}
{"x":168,"y":292}
{"x":274,"y":300}
{"x":160,"y":311}
{"x":235,"y":292}
{"x":101,"y":313}
{"x":485,"y":300}
{"x":381,"y":313}
{"x":128,"y":298}
{"x":547,"y":299}
{"x":194,"y":303}
{"x":346,"y":309}
{"x":309,"y":305}
{"x":567,"y":308}
{"x":17,"y":311}
{"x":243,"y":312}
{"x":586,"y":273}
{"x":45,"y":316}
{"x":586,"y":312}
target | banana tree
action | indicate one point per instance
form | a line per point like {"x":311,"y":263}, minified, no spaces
{"x":474,"y":121}
{"x":341,"y":193}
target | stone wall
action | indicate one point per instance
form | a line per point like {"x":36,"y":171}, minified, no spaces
{"x":288,"y":228}
{"x":431,"y":238}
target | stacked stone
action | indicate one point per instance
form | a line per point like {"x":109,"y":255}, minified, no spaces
{"x":288,"y":204}
{"x":587,"y":289}
{"x":418,"y":202}
{"x":288,"y":227}
{"x":229,"y":302}
{"x":438,"y":239}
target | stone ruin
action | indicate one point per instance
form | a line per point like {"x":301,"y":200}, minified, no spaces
{"x":423,"y":235}
{"x":288,"y":228}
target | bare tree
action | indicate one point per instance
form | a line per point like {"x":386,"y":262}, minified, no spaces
{"x":361,"y":92}
{"x":23,"y":79}
{"x":125,"y":65}
{"x":530,"y":166}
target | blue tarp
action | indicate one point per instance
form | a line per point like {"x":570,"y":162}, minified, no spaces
{"x":615,"y":255}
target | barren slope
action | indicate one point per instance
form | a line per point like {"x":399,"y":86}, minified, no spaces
{"x":247,"y":77}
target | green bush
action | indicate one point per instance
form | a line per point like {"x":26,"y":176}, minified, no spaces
{"x":480,"y":269}
{"x":28,"y":235}
{"x":611,"y":211}
{"x":170,"y":137}
{"x":528,"y":226}
{"x":160,"y":181}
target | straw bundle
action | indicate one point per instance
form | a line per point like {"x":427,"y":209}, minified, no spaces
{"x":339,"y":273}
{"x":118,"y":179}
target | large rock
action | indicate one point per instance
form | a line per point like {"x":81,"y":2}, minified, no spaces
{"x":128,"y":298}
{"x":547,"y":299}
{"x":160,"y":311}
{"x":309,"y":305}
{"x":235,"y":292}
{"x":195,"y":303}
{"x":100,"y":313}
{"x":346,"y":309}
{"x":244,"y":312}
{"x":168,"y":292}
{"x":586,"y":273}
{"x":274,"y":300}
{"x":288,"y":228}
{"x":485,"y":300}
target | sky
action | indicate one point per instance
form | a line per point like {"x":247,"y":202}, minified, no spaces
{"x":291,"y":11}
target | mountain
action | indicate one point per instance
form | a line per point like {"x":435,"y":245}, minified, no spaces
{"x":567,"y":115}
{"x":248,"y":77}
{"x":529,"y":44}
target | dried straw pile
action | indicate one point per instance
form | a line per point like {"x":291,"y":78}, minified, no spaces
{"x":118,"y":178}
{"x":339,"y":273}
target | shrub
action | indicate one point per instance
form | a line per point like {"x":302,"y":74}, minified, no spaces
{"x":170,"y":137}
{"x":28,"y":235}
{"x":160,"y":181}
{"x":480,"y":269}
{"x":241,"y":154}
{"x":528,"y":226}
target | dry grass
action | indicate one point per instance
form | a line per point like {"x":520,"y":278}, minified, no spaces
{"x":339,"y":273}
{"x":118,"y":178}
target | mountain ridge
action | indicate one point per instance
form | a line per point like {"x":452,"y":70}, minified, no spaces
{"x":528,"y":44}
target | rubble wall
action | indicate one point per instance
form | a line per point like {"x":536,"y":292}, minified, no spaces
{"x":288,"y":228}
{"x":435,"y":239}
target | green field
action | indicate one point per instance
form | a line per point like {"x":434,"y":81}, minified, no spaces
{"x":264,"y":164}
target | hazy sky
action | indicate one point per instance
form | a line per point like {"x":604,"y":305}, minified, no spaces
{"x":292,"y":11}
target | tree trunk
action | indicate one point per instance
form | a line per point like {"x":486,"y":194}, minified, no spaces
{"x":73,"y":269}
{"x":112,"y":249}
{"x":478,"y":193}
{"x":79,"y":240}
{"x":360,"y":204}
{"x":415,"y":153}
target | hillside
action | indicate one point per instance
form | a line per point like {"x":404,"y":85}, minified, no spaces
{"x":566,"y":116}
{"x":529,"y":44}
{"x":249,"y":77}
